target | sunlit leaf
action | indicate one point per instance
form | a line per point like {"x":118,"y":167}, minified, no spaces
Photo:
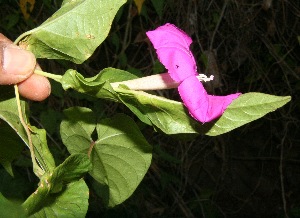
{"x":167,"y":115}
{"x":164,"y":114}
{"x":71,"y":202}
{"x":71,"y":169}
{"x":171,"y":116}
{"x":53,"y":185}
{"x":95,"y":86}
{"x":74,"y":31}
{"x":248,"y":107}
{"x":9,"y":113}
{"x":120,"y":155}
{"x":41,"y":149}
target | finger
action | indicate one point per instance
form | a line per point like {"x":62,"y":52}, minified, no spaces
{"x":16,"y":64}
{"x":36,"y":88}
{"x":4,"y":39}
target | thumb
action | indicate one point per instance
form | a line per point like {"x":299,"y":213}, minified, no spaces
{"x":16,"y":64}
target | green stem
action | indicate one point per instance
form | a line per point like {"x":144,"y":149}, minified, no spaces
{"x":36,"y":200}
{"x":22,"y":36}
{"x":36,"y":168}
{"x":55,"y":77}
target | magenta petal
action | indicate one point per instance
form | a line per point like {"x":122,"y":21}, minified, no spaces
{"x":168,"y":34}
{"x":172,"y":47}
{"x":179,"y":64}
{"x":203,"y":107}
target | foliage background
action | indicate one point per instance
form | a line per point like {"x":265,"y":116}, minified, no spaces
{"x":252,"y":171}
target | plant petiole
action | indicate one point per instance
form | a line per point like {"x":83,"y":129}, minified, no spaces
{"x":55,"y":77}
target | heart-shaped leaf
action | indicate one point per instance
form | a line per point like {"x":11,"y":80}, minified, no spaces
{"x":74,"y":31}
{"x":120,"y":155}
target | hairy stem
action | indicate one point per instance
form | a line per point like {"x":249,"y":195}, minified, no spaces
{"x":36,"y":169}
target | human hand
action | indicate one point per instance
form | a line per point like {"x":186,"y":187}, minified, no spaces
{"x":17,"y":66}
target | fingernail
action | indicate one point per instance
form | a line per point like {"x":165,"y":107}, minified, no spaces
{"x":18,"y":61}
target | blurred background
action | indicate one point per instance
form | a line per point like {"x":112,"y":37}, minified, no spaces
{"x":249,"y":46}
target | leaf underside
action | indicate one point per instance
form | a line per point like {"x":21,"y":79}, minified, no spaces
{"x":74,"y":31}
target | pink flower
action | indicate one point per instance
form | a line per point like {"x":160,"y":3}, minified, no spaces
{"x":172,"y":48}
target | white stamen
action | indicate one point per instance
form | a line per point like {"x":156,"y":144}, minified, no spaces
{"x":204,"y":78}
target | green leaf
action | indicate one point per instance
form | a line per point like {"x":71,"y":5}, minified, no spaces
{"x":170,"y":116}
{"x":71,"y":169}
{"x":71,"y":202}
{"x":41,"y":149}
{"x":10,"y":209}
{"x":97,"y":86}
{"x":16,"y":187}
{"x":76,"y":129}
{"x":246,"y":108}
{"x":53,"y":184}
{"x":9,"y":113}
{"x":167,"y":115}
{"x":120,"y":156}
{"x":74,"y":31}
{"x":10,"y":146}
{"x":50,"y":119}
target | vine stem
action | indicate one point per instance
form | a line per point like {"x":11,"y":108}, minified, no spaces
{"x":36,"y":169}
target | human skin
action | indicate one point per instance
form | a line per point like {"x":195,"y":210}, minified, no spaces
{"x":17,"y":67}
